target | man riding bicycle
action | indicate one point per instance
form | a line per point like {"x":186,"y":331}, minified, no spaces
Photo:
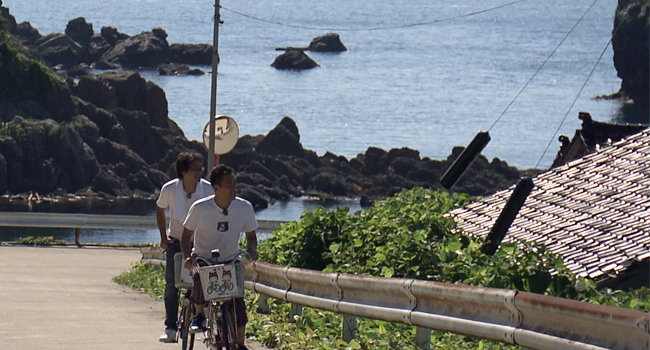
{"x":216,"y":222}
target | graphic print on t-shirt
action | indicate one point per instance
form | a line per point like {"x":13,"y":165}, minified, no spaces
{"x":222,"y":226}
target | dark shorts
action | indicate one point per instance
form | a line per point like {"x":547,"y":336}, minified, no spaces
{"x":197,"y":298}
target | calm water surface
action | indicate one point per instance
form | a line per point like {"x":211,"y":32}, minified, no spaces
{"x":429,"y":87}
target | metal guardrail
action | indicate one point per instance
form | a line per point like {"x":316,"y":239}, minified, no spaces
{"x":530,"y":320}
{"x":92,"y":221}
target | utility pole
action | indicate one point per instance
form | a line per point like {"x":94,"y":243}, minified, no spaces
{"x":213,"y":94}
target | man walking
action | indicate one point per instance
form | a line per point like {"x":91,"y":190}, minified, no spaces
{"x":177,"y":195}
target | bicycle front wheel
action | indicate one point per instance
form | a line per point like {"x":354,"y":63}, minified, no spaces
{"x":185,"y":319}
{"x":213,"y":333}
{"x":229,"y":324}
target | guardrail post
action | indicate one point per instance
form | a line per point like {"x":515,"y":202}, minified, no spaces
{"x":263,"y":307}
{"x":422,"y":338}
{"x":349,"y":327}
{"x":296,"y":310}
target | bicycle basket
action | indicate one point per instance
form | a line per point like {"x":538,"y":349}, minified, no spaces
{"x":222,"y":281}
{"x":182,"y":278}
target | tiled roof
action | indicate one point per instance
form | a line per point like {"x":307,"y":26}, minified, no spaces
{"x":594,"y":211}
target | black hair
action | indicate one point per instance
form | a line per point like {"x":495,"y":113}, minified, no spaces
{"x":218,"y":172}
{"x":185,"y":160}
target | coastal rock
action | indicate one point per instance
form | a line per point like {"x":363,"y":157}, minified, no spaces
{"x":330,"y":42}
{"x":79,"y":30}
{"x":374,"y":174}
{"x":294,"y":59}
{"x":103,"y":65}
{"x":109,"y":49}
{"x":56,"y":140}
{"x":28,"y":91}
{"x":112,"y":36}
{"x":128,"y":91}
{"x":330,"y":182}
{"x":284,"y":139}
{"x":27,"y":34}
{"x":10,"y":19}
{"x":97,"y":47}
{"x":258,"y":197}
{"x":47,"y":156}
{"x":194,"y":54}
{"x":144,"y":50}
{"x":630,"y":42}
{"x":60,"y":49}
{"x":178,"y":69}
{"x":96,"y":91}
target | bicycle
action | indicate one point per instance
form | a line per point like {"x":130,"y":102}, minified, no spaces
{"x":221,"y":318}
{"x":184,"y":284}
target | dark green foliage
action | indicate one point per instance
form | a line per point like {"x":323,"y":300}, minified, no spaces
{"x":407,"y":236}
{"x":305,"y":242}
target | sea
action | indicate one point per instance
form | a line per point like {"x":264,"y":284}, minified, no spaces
{"x":422,"y":74}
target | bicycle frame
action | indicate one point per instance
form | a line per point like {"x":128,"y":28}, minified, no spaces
{"x":221,"y":316}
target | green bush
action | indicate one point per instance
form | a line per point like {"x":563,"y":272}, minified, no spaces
{"x":407,"y":236}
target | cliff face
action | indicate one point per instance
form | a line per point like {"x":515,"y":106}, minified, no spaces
{"x":630,"y":42}
{"x":107,"y":134}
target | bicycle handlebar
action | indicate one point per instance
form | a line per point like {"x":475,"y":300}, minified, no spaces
{"x":197,"y":258}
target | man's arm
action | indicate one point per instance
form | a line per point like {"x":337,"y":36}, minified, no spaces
{"x":162,"y":227}
{"x":186,"y":246}
{"x":251,"y":244}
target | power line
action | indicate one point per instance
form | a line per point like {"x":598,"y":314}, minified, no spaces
{"x":573,"y":103}
{"x":374,"y":28}
{"x":543,"y":64}
{"x":578,"y":95}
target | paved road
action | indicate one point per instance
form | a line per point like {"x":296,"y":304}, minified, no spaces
{"x":64,"y":298}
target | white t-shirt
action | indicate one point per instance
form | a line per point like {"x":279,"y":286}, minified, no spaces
{"x":215,"y":230}
{"x":167,"y":199}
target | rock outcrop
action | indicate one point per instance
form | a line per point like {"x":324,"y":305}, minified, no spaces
{"x":277,"y":167}
{"x":294,"y":59}
{"x":630,"y":41}
{"x":109,"y":49}
{"x":330,"y":42}
{"x":107,"y":134}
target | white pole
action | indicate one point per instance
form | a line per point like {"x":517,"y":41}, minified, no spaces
{"x":213,"y":96}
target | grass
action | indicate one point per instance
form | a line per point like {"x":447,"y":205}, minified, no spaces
{"x":51,"y":241}
{"x":146,"y":278}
